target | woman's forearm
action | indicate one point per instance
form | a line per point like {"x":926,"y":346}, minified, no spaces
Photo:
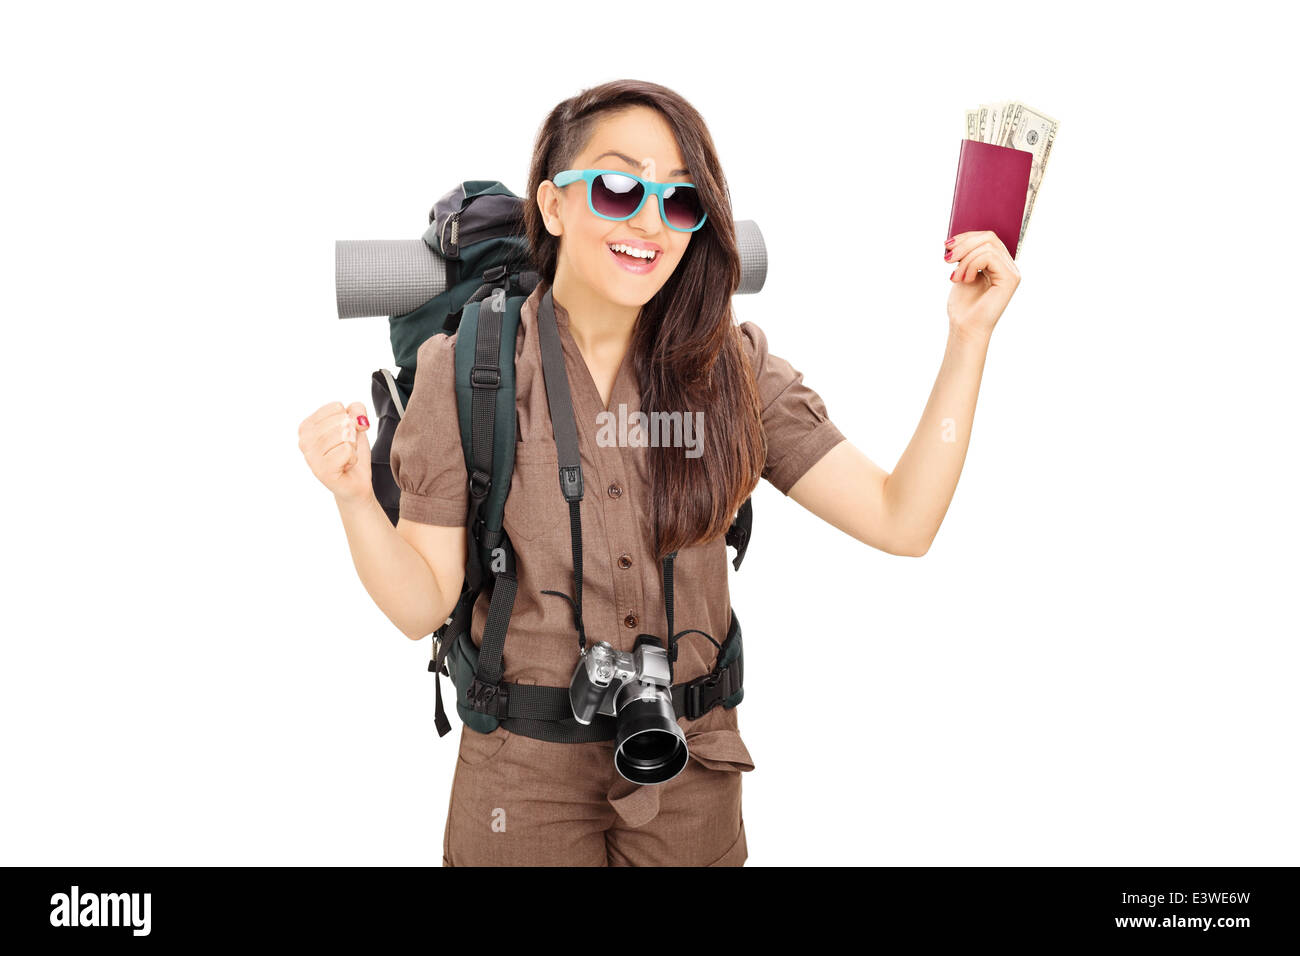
{"x":394,"y":574}
{"x":920,"y":488}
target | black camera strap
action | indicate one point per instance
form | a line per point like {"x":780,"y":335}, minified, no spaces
{"x":559,"y":398}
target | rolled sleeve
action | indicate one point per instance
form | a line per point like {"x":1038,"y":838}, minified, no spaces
{"x":427,"y":459}
{"x":797,"y":427}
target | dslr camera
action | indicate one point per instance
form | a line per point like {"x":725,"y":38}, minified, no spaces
{"x":636,"y":690}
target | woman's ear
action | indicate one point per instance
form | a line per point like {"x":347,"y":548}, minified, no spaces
{"x":548,"y":201}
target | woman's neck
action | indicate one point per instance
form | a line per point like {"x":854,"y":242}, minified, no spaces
{"x":600,"y":328}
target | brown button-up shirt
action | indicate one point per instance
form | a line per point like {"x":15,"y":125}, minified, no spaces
{"x":622,"y":584}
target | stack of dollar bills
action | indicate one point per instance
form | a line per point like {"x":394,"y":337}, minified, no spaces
{"x":1016,"y":126}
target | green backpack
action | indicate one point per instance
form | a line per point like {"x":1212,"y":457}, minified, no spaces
{"x":478,"y":228}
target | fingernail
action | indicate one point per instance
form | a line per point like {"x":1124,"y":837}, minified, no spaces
{"x":948,"y":242}
{"x":954,"y":272}
{"x":363,"y":421}
{"x":947,"y":255}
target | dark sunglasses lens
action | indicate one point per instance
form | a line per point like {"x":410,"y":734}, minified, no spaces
{"x":615,"y":195}
{"x":682,"y":207}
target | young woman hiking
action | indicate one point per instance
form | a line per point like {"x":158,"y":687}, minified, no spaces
{"x":641,"y":299}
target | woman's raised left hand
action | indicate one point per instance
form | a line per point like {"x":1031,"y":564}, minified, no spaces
{"x":983,"y":281}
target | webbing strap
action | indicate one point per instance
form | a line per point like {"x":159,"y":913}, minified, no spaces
{"x":562,"y":730}
{"x":440,"y":720}
{"x":565,"y":428}
{"x":544,"y":702}
{"x":667,"y":570}
{"x":485,"y":378}
{"x":494,"y":631}
{"x":558,"y":398}
{"x":443,"y":638}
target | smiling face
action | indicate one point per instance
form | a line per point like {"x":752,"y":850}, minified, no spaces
{"x":636,"y":140}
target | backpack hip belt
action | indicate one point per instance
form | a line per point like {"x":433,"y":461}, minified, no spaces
{"x":545,"y":712}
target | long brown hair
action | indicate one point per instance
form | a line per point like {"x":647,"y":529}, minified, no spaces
{"x":686,"y":347}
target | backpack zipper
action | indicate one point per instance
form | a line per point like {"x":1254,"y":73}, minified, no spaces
{"x":451,"y":250}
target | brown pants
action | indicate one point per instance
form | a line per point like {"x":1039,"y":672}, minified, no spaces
{"x":520,"y":801}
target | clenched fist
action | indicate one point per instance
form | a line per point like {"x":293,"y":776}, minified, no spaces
{"x":333,"y":440}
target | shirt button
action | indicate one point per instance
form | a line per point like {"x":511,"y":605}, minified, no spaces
{"x":630,"y":620}
{"x":615,"y":489}
{"x":625,"y":560}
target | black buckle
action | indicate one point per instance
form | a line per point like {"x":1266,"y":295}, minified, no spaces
{"x":738,"y":538}
{"x":571,"y":482}
{"x":705,"y":693}
{"x":496,"y":272}
{"x":476,"y":529}
{"x":490,"y":699}
{"x":438,"y":659}
{"x":490,"y":378}
{"x":479,"y":483}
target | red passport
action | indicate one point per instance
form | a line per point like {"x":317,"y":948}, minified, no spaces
{"x":992,"y":185}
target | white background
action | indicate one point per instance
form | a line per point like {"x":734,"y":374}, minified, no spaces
{"x":1095,"y":663}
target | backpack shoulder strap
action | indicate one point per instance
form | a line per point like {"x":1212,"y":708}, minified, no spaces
{"x":485,"y":398}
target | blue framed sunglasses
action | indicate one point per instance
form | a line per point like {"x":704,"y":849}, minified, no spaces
{"x":619,"y":196}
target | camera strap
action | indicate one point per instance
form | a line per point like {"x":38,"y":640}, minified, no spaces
{"x":560,"y":400}
{"x":545,"y":712}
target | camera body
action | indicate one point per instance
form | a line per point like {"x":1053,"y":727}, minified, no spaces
{"x":606,"y":679}
{"x":636,"y":690}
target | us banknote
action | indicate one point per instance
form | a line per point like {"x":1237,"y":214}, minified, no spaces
{"x":1017,"y":126}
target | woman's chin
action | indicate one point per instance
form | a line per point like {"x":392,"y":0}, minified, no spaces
{"x":629,"y":291}
{"x":633,"y":298}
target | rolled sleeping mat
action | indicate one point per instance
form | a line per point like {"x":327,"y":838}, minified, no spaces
{"x":383,"y":277}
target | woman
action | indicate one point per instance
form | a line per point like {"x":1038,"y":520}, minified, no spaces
{"x":642,"y":305}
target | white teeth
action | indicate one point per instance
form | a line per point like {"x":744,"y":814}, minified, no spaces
{"x":639,"y":253}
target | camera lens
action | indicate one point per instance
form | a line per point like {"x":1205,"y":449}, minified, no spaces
{"x":649,"y":745}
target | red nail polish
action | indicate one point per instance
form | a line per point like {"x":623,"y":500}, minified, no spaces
{"x":954,"y":272}
{"x":363,"y":421}
{"x":947,"y":255}
{"x":948,"y":242}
